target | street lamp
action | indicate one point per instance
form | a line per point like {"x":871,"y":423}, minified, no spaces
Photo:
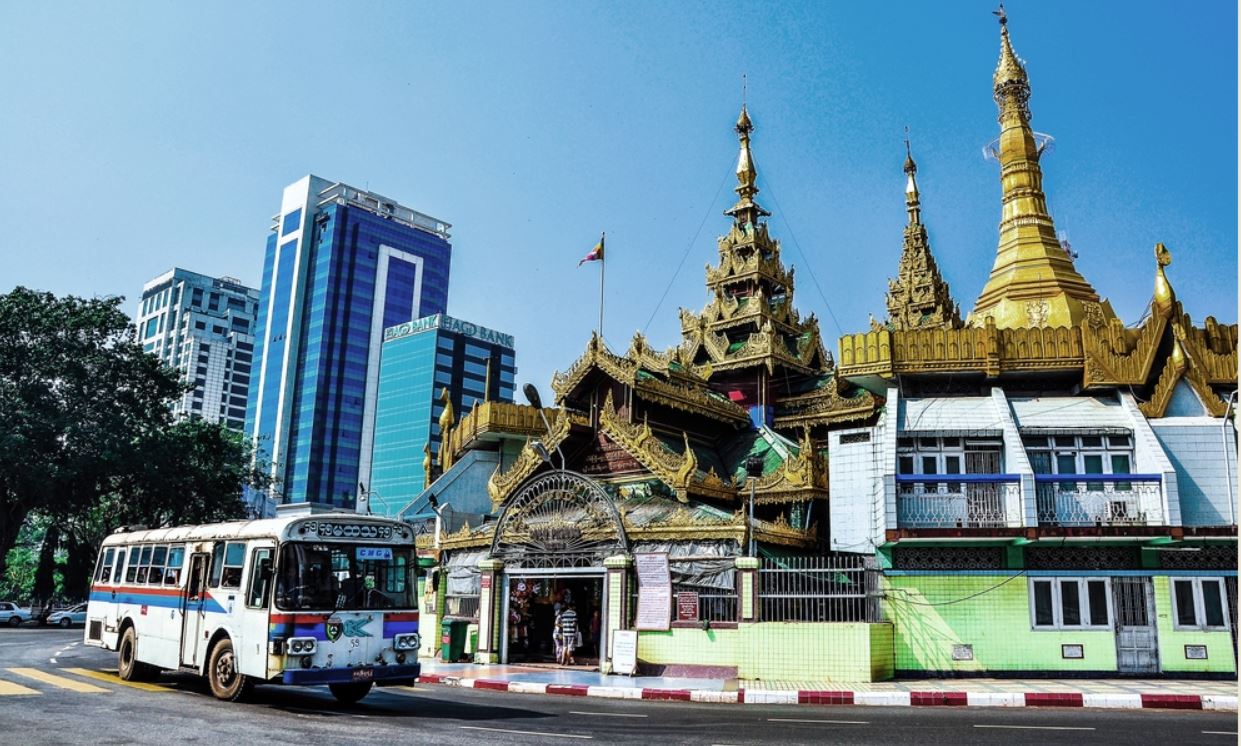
{"x":753,"y":470}
{"x":532,"y":396}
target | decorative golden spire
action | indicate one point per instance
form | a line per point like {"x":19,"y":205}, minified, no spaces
{"x":746,"y":210}
{"x":918,"y":298}
{"x":913,"y":203}
{"x":446,"y":421}
{"x":1033,"y":281}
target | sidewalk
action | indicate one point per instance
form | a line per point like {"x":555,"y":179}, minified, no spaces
{"x":1104,"y":693}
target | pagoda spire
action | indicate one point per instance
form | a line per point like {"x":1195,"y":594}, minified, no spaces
{"x":746,"y":210}
{"x":918,"y":297}
{"x":1033,"y":281}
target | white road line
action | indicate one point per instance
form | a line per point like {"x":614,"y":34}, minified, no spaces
{"x":1220,"y":732}
{"x":52,"y":661}
{"x":1034,"y":727}
{"x":525,"y":732}
{"x":808,"y":720}
{"x":608,"y":714}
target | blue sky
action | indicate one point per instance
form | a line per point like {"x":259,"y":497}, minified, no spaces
{"x":139,"y":136}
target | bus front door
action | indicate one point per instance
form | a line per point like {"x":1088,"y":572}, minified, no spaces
{"x":192,"y":609}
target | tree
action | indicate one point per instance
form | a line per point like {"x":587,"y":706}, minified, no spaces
{"x":86,"y":435}
{"x":191,"y":472}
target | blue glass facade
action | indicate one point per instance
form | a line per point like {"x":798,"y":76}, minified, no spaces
{"x":416,"y":364}
{"x":313,"y":404}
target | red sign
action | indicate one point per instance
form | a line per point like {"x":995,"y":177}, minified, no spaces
{"x":687,"y":606}
{"x":485,"y":581}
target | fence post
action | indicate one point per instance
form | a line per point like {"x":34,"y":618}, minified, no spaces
{"x":747,"y":589}
{"x":616,"y":592}
{"x":490,"y":610}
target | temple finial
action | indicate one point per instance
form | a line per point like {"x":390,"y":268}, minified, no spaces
{"x":746,"y":210}
{"x":913,"y":201}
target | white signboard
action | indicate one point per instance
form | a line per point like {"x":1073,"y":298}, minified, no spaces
{"x":654,"y":591}
{"x":625,"y":651}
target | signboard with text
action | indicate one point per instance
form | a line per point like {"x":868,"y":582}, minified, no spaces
{"x":625,"y":651}
{"x":654,"y":591}
{"x":687,"y":606}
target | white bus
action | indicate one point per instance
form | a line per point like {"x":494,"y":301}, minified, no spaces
{"x":328,"y":599}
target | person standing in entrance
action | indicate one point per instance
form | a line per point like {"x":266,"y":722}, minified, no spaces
{"x":566,"y":632}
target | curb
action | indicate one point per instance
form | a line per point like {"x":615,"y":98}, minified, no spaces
{"x":845,"y":697}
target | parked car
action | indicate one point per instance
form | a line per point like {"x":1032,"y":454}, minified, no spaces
{"x":68,"y":617}
{"x":13,"y":615}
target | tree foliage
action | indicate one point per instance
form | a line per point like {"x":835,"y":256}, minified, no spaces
{"x":86,"y":437}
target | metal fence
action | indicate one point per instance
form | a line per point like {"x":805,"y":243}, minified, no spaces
{"x":714,"y":604}
{"x":819,"y":589}
{"x":461,"y":607}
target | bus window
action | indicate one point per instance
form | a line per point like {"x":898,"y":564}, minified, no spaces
{"x":144,"y":565}
{"x":117,"y":570}
{"x":176,"y":558}
{"x":260,"y":578}
{"x":234,"y":558}
{"x":131,"y":571}
{"x":217,"y":564}
{"x":104,"y":573}
{"x":158,"y":557}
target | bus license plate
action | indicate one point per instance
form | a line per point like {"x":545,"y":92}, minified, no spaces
{"x":363,"y":674}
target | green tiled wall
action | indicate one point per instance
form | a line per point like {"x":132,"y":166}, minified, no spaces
{"x":1172,"y":642}
{"x":785,"y":651}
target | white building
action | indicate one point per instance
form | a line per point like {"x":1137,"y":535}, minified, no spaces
{"x":203,"y":327}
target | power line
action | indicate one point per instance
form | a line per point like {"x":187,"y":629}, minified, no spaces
{"x":805,"y":259}
{"x":684,"y":254}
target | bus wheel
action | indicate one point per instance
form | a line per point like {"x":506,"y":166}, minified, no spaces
{"x":348,"y":694}
{"x":226,"y":682}
{"x":129,"y":668}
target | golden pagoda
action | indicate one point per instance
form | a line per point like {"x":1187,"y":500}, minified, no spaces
{"x":1033,"y":281}
{"x":1037,"y":316}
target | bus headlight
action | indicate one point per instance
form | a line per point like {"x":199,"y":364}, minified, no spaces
{"x":301,"y":645}
{"x":409,"y":641}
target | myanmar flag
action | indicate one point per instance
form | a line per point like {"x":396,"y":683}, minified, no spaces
{"x":595,"y":255}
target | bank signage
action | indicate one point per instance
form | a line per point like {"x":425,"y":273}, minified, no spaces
{"x":449,"y":324}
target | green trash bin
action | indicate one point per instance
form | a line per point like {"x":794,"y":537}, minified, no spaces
{"x":452,"y":640}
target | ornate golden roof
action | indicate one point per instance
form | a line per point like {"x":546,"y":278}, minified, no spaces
{"x":1033,"y":281}
{"x":918,"y":297}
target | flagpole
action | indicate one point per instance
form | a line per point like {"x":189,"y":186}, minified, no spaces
{"x":603,"y":265}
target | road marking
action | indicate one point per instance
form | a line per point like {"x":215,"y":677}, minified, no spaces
{"x":1206,"y":732}
{"x":8,"y":688}
{"x":59,"y":681}
{"x":112,"y":678}
{"x":807,"y":720}
{"x":1034,"y":727}
{"x":525,"y":732}
{"x":608,"y":714}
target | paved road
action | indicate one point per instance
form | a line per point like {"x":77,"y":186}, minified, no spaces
{"x":54,"y":690}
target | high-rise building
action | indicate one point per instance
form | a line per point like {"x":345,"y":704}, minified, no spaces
{"x":204,"y":327}
{"x":421,"y":359}
{"x":341,"y":265}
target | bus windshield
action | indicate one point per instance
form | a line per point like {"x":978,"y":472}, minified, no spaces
{"x":341,"y":576}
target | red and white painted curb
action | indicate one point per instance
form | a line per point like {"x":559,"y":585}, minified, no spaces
{"x":846,"y":697}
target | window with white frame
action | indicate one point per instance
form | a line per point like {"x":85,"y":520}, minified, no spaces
{"x":930,"y":455}
{"x":1070,"y":603}
{"x":1199,"y":603}
{"x":1081,"y":454}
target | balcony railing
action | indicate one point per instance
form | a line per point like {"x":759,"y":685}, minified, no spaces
{"x":956,"y":500}
{"x":1098,"y":499}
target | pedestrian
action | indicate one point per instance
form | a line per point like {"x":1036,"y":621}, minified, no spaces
{"x":594,"y":633}
{"x":556,"y":632}
{"x":568,"y":635}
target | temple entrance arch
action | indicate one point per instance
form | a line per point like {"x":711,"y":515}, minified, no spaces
{"x":560,"y":519}
{"x":552,"y":538}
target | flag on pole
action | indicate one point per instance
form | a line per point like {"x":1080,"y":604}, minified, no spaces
{"x":595,"y":254}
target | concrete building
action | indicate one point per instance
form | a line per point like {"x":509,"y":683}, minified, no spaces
{"x":204,"y":327}
{"x":341,"y":265}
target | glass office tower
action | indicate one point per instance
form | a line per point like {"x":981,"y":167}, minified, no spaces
{"x":419,"y":360}
{"x":341,"y":265}
{"x":204,"y":327}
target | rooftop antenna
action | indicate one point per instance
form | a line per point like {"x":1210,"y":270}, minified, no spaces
{"x":743,"y":88}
